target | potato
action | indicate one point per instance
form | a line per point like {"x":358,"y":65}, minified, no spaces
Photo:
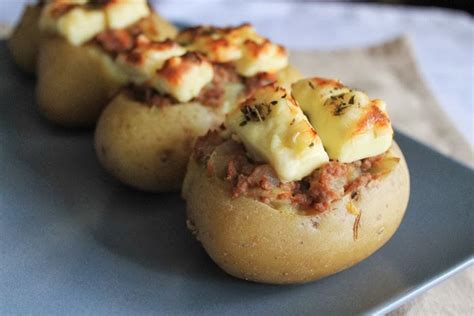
{"x":148,"y":147}
{"x":76,"y":82}
{"x":23,"y":42}
{"x":253,"y":241}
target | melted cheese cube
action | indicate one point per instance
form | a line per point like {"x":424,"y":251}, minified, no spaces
{"x":238,"y":35}
{"x":122,"y":13}
{"x":219,"y":50}
{"x":77,"y":25}
{"x":143,"y":61}
{"x":78,"y":21}
{"x":275,"y":130}
{"x":183,"y":77}
{"x":351,"y":125}
{"x":261,"y":57}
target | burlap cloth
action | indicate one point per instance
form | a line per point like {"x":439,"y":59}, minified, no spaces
{"x":389,"y":71}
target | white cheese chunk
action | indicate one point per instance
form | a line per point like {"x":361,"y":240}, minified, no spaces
{"x":275,"y":130}
{"x":122,"y":13}
{"x":146,"y":58}
{"x":261,"y":57}
{"x":77,"y":25}
{"x":351,"y":126}
{"x":183,"y":77}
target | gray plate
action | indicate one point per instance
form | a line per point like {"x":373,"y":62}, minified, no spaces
{"x":72,"y":240}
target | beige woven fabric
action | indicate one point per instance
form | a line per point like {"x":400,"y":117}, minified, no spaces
{"x":389,"y":71}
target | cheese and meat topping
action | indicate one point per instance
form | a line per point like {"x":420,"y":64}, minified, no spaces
{"x":274,"y":129}
{"x":81,"y":20}
{"x":144,"y":63}
{"x":250,"y":52}
{"x":228,"y":160}
{"x":181,"y":70}
{"x":350,"y":125}
{"x":271,"y":153}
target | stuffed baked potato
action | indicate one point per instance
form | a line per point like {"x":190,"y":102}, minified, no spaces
{"x":77,"y":73}
{"x":270,"y":205}
{"x":144,"y":137}
{"x":24,"y":40}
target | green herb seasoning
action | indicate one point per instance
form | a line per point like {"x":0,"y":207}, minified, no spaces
{"x":339,"y":109}
{"x":255,"y":113}
{"x":351,"y":100}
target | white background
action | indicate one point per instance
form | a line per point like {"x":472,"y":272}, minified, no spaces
{"x":443,"y":39}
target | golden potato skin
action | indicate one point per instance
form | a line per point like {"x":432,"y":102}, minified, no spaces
{"x":24,"y":40}
{"x":252,"y":241}
{"x":74,"y":82}
{"x":148,"y":147}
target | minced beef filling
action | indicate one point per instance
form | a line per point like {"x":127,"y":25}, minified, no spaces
{"x":149,"y":96}
{"x":313,"y":194}
{"x":212,"y":95}
{"x":115,"y":42}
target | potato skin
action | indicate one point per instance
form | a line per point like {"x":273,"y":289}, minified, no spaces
{"x":24,"y":40}
{"x":252,"y":241}
{"x":148,"y":147}
{"x":74,"y":82}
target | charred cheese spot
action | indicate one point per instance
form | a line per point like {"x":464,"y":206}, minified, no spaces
{"x":274,"y":129}
{"x":330,"y":83}
{"x":211,"y":41}
{"x":251,"y":52}
{"x":142,"y":62}
{"x":376,"y":117}
{"x":351,"y":126}
{"x":183,"y":77}
{"x":261,"y":57}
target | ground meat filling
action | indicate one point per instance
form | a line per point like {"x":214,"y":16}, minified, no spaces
{"x":258,"y":81}
{"x":149,"y":96}
{"x":115,"y":42}
{"x":212,"y":95}
{"x":312,"y":194}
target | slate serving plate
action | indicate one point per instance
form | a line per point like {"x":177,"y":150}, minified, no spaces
{"x":72,"y":240}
